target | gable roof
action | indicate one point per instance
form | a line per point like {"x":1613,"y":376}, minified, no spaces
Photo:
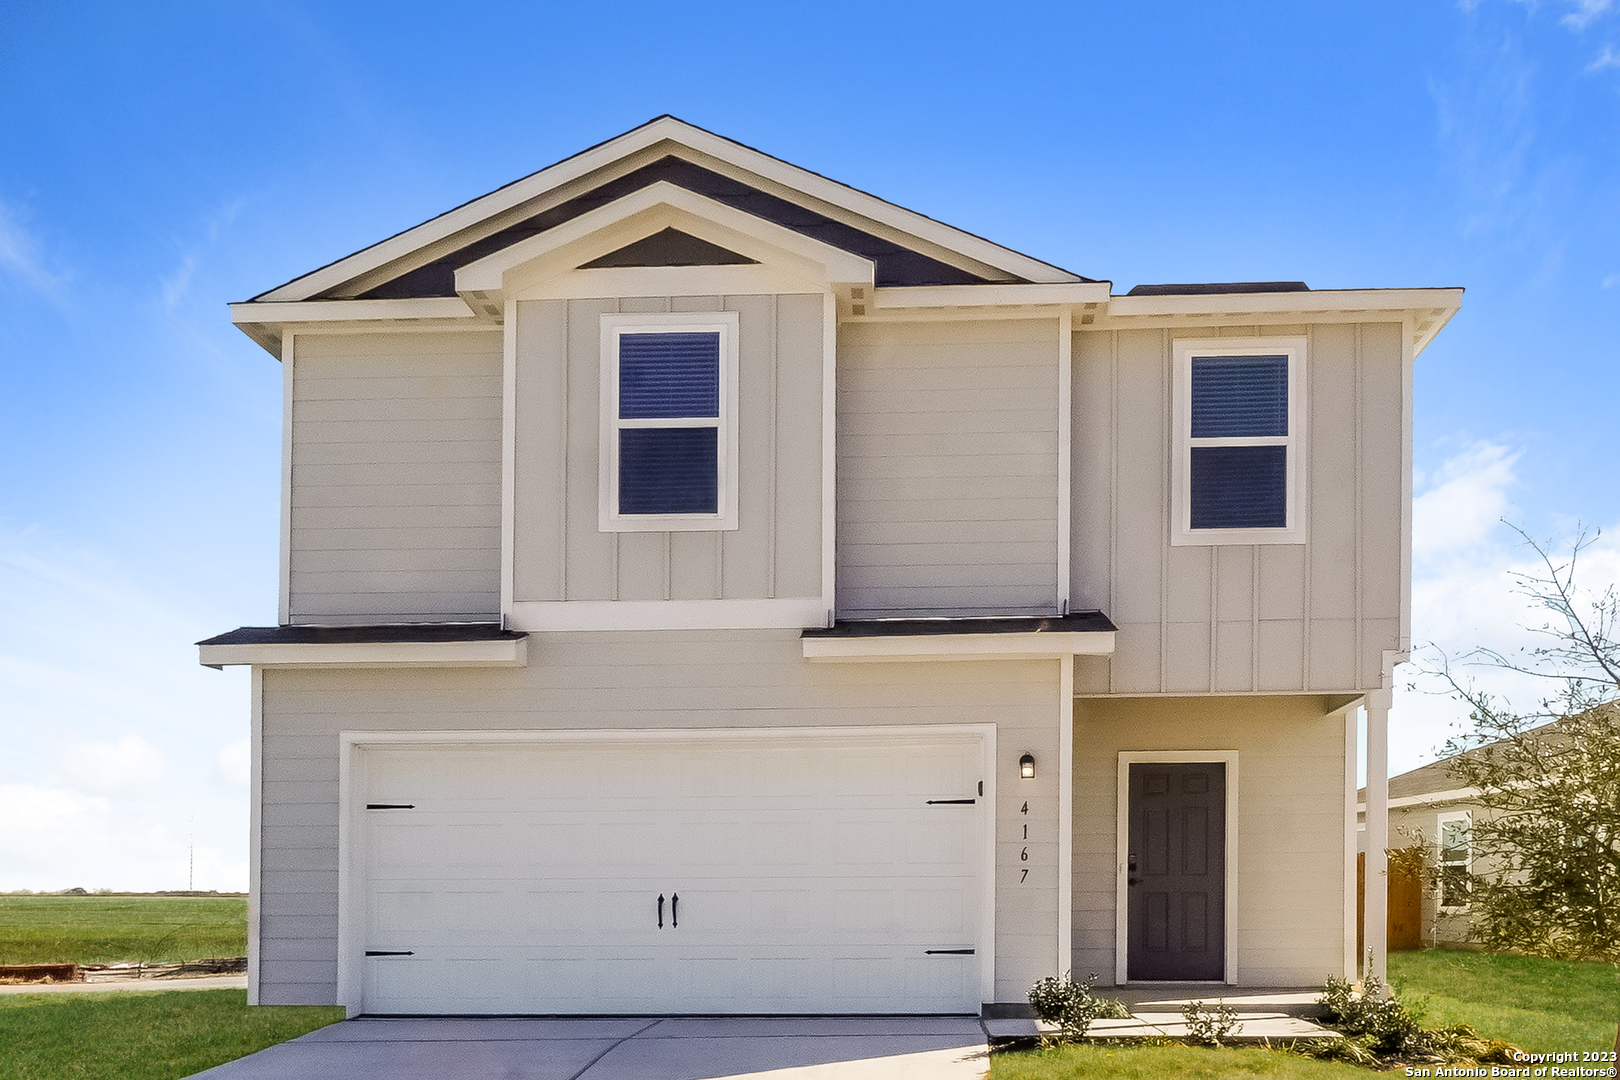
{"x":905,"y":247}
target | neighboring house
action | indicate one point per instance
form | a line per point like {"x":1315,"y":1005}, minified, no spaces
{"x":1428,"y":808}
{"x":709,"y":588}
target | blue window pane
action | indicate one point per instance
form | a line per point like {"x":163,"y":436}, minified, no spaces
{"x":1237,"y":396}
{"x":664,"y":375}
{"x":669,"y":471}
{"x":1239,"y":487}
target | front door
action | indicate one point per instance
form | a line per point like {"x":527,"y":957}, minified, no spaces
{"x":1176,"y":883}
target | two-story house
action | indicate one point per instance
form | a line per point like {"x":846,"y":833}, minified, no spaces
{"x":706,"y":587}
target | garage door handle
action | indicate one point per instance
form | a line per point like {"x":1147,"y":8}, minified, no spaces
{"x":660,"y":911}
{"x":675,"y":910}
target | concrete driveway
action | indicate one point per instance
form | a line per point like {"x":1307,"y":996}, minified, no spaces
{"x":675,"y":1048}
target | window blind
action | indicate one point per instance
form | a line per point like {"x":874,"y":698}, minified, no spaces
{"x":669,"y":375}
{"x":1238,"y":396}
{"x":669,"y":470}
{"x":1239,"y":487}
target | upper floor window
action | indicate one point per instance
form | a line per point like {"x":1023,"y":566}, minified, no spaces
{"x":669,"y":427}
{"x":1239,"y":416}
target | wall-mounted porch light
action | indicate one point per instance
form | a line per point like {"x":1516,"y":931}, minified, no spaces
{"x":1026,"y":766}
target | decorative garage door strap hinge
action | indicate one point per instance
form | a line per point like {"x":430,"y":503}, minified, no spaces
{"x":390,"y":806}
{"x":389,"y":952}
{"x":952,"y":802}
{"x":948,"y":952}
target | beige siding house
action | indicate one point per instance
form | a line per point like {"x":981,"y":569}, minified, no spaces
{"x":709,"y":588}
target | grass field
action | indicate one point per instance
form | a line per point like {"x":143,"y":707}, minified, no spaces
{"x":141,"y":1036}
{"x":120,"y":929}
{"x":1541,"y":1005}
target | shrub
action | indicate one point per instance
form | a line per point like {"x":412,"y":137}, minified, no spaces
{"x":1209,"y":1024}
{"x":1071,"y":1005}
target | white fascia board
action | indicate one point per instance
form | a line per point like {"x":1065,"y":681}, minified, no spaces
{"x":664,"y":129}
{"x":1322,"y":301}
{"x":281,"y":312}
{"x":506,"y":652}
{"x":1044,"y":645}
{"x":1067,"y":294}
{"x":656,"y":206}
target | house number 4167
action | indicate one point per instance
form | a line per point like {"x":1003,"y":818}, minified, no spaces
{"x":1023,"y":855}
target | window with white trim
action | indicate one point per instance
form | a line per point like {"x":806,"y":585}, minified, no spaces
{"x":1455,"y":858}
{"x":669,"y":421}
{"x":1239,"y":459}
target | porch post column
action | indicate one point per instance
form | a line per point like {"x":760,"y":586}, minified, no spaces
{"x":1375,"y":921}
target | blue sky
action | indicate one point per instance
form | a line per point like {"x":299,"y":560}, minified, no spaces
{"x":161,"y":160}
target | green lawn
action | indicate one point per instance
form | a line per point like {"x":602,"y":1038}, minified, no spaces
{"x":120,"y":929}
{"x":1154,"y":1062}
{"x":141,"y":1036}
{"x":1542,"y":1005}
{"x":1539,"y":1005}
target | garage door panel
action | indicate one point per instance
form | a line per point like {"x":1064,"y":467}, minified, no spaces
{"x":812,"y":876}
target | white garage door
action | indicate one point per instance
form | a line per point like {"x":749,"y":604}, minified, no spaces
{"x":692,"y":875}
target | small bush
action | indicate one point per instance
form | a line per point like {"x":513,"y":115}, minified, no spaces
{"x":1380,"y":1031}
{"x":1209,"y":1024}
{"x":1382,"y":1023}
{"x":1071,"y":1005}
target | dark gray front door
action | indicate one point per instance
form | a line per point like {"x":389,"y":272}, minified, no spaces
{"x":1176,"y":888}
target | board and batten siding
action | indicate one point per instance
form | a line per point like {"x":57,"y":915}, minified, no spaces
{"x":1290,"y":868}
{"x":947,"y":468}
{"x":559,"y":552}
{"x":395,"y":506}
{"x":1239,"y":618}
{"x":640,"y":679}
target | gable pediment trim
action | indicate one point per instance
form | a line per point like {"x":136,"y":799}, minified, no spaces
{"x":526,"y":265}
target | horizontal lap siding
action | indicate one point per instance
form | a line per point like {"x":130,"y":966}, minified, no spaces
{"x":1289,"y":873}
{"x":947,"y":468}
{"x":1239,"y":618}
{"x":396,"y":477}
{"x":684,"y":679}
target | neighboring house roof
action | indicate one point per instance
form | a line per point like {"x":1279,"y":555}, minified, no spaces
{"x":1434,"y":783}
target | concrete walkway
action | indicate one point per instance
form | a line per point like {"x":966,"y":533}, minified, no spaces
{"x":201,"y":982}
{"x":1262,"y":1016}
{"x":647,"y":1048}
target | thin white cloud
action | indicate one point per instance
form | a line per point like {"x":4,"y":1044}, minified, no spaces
{"x":92,"y":735}
{"x":1586,"y":13}
{"x":122,"y":767}
{"x":235,"y":763}
{"x":1608,"y":58}
{"x":1465,"y":499}
{"x":175,"y":287}
{"x":22,"y":258}
{"x":1466,"y":595}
